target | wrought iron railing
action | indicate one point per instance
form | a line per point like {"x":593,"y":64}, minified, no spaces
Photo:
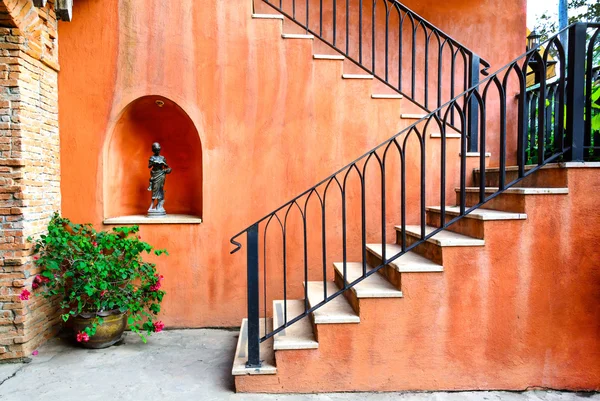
{"x":346,"y":196}
{"x":397,"y":46}
{"x":550,"y":111}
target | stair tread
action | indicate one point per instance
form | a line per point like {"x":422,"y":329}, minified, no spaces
{"x":444,"y":237}
{"x":410,"y":262}
{"x":328,"y":57}
{"x":412,"y":116}
{"x":448,"y":135}
{"x":267,"y":353}
{"x":297,"y":36}
{"x":357,"y":76}
{"x":267,"y":16}
{"x":387,"y":96}
{"x":336,"y":311}
{"x":375,"y":286}
{"x":299,"y":335}
{"x":521,"y":190}
{"x":482,"y":214}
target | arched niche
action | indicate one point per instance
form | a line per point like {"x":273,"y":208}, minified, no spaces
{"x":144,"y":121}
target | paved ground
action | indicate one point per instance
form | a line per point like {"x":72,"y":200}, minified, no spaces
{"x":177,"y":365}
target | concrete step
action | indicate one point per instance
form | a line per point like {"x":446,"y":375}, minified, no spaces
{"x":549,"y":176}
{"x":336,"y":311}
{"x":480,"y":214}
{"x":296,"y":36}
{"x":299,"y":335}
{"x":375,"y":286}
{"x":511,"y":200}
{"x":357,"y":76}
{"x":407,"y":116}
{"x":267,"y":16}
{"x":387,"y":96}
{"x":444,"y":238}
{"x":267,"y":354}
{"x":449,"y":135}
{"x":475,"y":154}
{"x":410,"y":262}
{"x":328,"y":57}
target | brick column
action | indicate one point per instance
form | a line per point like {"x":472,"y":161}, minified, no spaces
{"x":29,"y":167}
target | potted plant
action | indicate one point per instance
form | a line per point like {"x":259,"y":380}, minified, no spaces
{"x":101,"y":280}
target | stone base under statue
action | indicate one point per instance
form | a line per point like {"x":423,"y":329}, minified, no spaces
{"x":157,"y":213}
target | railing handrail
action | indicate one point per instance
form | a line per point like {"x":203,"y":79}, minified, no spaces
{"x":443,"y":34}
{"x":386,"y":142}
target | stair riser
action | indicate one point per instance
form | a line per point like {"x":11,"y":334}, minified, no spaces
{"x":505,"y":202}
{"x":428,"y":250}
{"x":466,"y":226}
{"x":391,"y":274}
{"x":349,"y":294}
{"x":543,"y":178}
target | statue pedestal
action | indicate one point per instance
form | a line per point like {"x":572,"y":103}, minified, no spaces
{"x":156,"y":213}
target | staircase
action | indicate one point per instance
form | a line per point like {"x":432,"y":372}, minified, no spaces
{"x":446,"y":297}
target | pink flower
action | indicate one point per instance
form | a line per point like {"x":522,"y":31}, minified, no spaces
{"x":103,"y":293}
{"x":95,"y":243}
{"x":82,"y":337}
{"x":24,"y":295}
{"x":34,"y":353}
{"x":155,"y":287}
{"x":158,"y":326}
{"x":34,"y":285}
{"x":36,"y":258}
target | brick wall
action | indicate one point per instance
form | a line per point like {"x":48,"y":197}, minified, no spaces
{"x":29,"y":167}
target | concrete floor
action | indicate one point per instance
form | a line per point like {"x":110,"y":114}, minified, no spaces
{"x":177,"y":365}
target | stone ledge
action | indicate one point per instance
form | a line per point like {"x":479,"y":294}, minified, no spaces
{"x":141,"y":219}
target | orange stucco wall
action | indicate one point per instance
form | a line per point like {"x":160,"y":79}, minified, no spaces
{"x":271,"y":122}
{"x":520,"y":312}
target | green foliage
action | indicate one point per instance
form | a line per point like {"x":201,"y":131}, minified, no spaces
{"x":579,"y":10}
{"x":97,"y":271}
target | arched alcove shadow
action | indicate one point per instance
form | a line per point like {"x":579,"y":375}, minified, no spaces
{"x":144,"y":121}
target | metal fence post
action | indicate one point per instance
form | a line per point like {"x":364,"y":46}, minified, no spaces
{"x":576,"y":92}
{"x":473,"y":116}
{"x":253,"y":299}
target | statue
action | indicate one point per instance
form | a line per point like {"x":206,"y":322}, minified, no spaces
{"x":158,"y":174}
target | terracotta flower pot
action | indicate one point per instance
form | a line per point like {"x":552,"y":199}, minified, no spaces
{"x":108,"y":333}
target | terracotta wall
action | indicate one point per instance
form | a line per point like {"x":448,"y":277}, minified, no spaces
{"x":271,"y":121}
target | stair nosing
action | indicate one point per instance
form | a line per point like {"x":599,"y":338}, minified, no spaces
{"x":477,"y":214}
{"x":296,"y":36}
{"x":329,"y":57}
{"x":448,"y":135}
{"x":462,"y":240}
{"x":521,"y":190}
{"x":386,"y":96}
{"x":268,"y":16}
{"x":357,"y":76}
{"x":412,"y":116}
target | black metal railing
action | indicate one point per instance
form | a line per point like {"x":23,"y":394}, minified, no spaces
{"x":397,"y":46}
{"x":335,"y":219}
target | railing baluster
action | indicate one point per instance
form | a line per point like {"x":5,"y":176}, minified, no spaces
{"x":334,"y":22}
{"x":575,"y":91}
{"x":253,"y":299}
{"x":541,"y":121}
{"x":383,"y":213}
{"x":373,"y":38}
{"x":360,"y":29}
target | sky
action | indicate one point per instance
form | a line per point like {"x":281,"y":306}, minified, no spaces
{"x":535,"y":8}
